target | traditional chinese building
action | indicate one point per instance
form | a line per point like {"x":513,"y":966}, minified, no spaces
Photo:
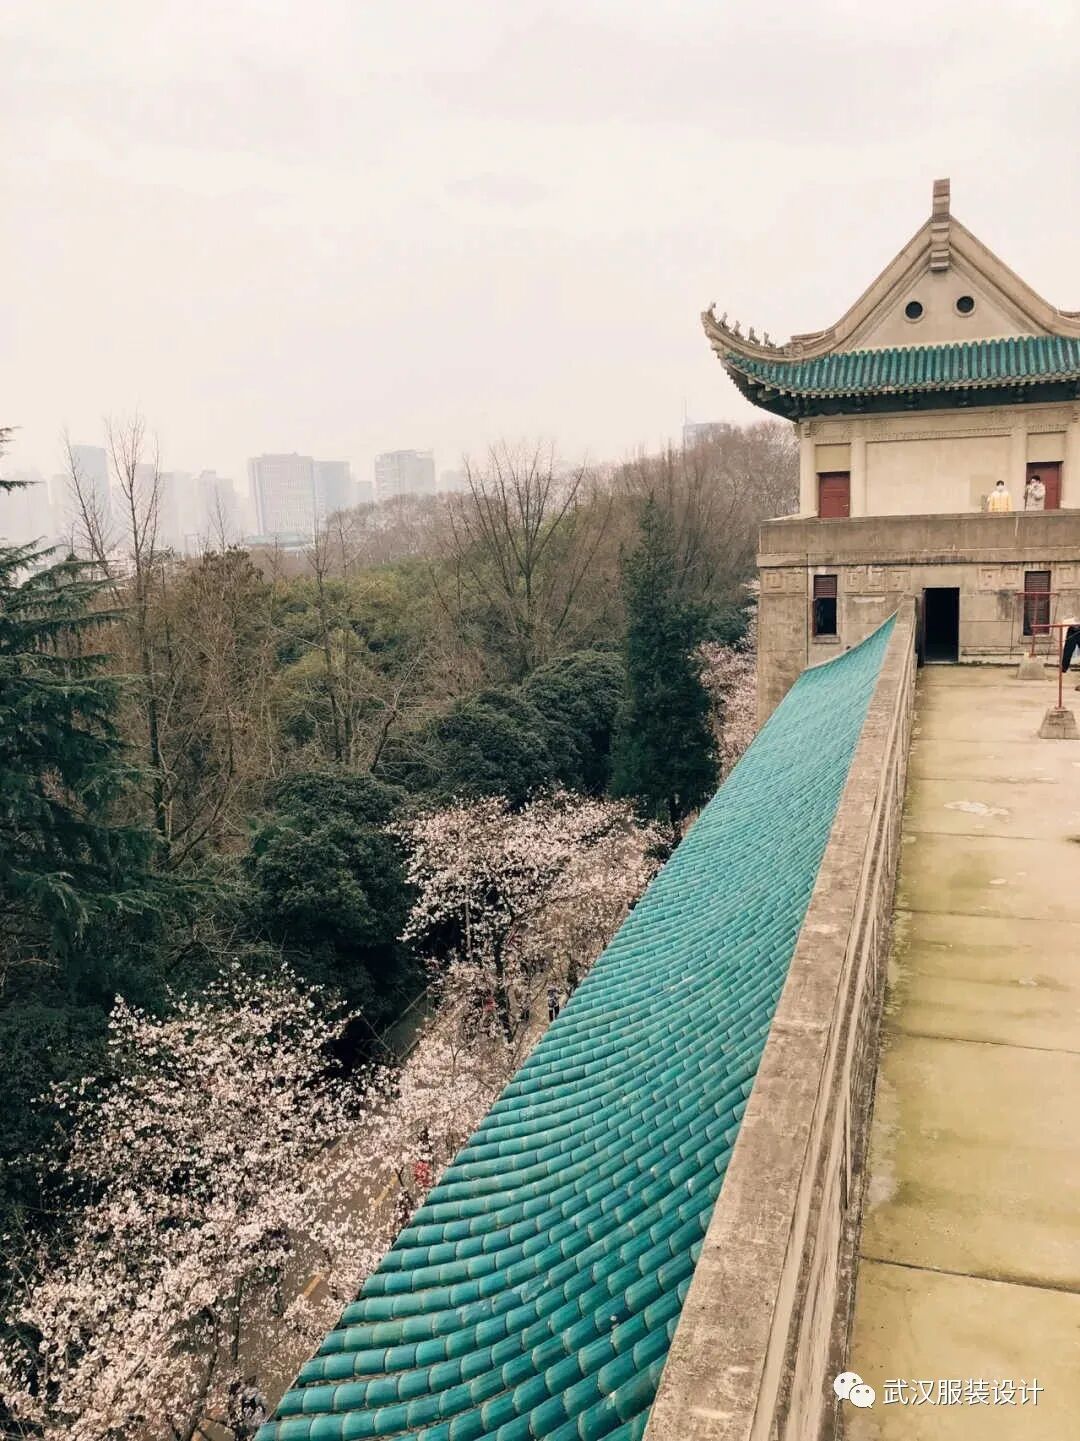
{"x":947,"y":375}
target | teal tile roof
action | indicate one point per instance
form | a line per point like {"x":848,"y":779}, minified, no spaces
{"x":536,"y":1292}
{"x":976,"y":364}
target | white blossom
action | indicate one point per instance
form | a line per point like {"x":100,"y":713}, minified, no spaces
{"x":518,"y":900}
{"x":729,"y":674}
{"x":210,"y":1167}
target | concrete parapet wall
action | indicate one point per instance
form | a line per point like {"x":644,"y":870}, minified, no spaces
{"x":764,"y":1326}
{"x":920,"y":539}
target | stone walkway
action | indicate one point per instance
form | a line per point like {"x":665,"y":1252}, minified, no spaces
{"x":969,"y":1263}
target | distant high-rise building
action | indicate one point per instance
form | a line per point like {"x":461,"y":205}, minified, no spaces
{"x":214,"y":513}
{"x":91,"y":465}
{"x":283,"y":489}
{"x":365,"y":492}
{"x":59,"y":506}
{"x":404,"y":472}
{"x":172,"y":487}
{"x":695,"y":431}
{"x":334,"y":488}
{"x":25,"y":512}
{"x":451,"y":480}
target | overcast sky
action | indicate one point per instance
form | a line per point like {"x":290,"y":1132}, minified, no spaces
{"x":346,"y":226}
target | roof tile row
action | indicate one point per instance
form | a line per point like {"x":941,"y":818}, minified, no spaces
{"x":1020,"y":360}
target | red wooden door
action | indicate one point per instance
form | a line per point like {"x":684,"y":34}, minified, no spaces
{"x":834,"y":494}
{"x":1050,"y":475}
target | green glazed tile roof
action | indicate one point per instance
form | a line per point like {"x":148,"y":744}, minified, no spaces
{"x":976,"y":364}
{"x":536,"y":1292}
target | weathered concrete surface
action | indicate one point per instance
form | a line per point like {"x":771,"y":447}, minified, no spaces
{"x":931,"y":1325}
{"x":970,"y":1245}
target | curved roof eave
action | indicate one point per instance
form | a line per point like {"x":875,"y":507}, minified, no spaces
{"x":1010,"y":363}
{"x":910,"y":261}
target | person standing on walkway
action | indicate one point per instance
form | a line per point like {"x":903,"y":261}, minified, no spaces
{"x":999,"y":499}
{"x":1071,"y":640}
{"x":553,"y":1003}
{"x":1035,"y":494}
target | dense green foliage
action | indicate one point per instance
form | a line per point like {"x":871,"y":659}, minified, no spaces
{"x":328,"y":885}
{"x":664,"y":748}
{"x":513,"y":741}
{"x":490,"y":743}
{"x":578,"y":695}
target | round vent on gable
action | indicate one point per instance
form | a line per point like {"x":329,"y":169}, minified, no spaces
{"x":913,"y":310}
{"x":965,"y":304}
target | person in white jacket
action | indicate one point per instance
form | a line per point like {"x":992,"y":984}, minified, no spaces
{"x":1035,"y":494}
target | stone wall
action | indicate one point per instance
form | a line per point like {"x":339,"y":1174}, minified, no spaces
{"x":880,"y":560}
{"x":765,"y":1323}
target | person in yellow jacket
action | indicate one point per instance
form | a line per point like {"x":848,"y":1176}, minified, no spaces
{"x":999,"y":498}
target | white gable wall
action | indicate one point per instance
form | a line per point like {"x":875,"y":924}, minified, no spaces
{"x":941,"y":324}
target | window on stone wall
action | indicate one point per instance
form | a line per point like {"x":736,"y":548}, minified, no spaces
{"x":824,"y":605}
{"x":1036,"y":601}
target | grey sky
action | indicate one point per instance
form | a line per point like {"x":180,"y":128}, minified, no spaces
{"x":342,"y":226}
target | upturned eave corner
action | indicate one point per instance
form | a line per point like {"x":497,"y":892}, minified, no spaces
{"x":726,"y":339}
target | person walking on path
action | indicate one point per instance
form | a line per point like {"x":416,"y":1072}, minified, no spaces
{"x":1071,"y":640}
{"x":999,"y":499}
{"x":424,"y":1165}
{"x":247,"y":1409}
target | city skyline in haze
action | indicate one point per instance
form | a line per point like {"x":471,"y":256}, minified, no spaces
{"x":360,"y":229}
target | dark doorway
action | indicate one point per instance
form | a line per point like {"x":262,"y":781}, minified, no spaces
{"x":941,"y":624}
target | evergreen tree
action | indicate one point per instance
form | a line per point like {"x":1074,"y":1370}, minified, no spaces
{"x":578,"y":697}
{"x":664,"y":753}
{"x":76,"y":892}
{"x":328,"y":885}
{"x":492,"y":743}
{"x":65,"y":858}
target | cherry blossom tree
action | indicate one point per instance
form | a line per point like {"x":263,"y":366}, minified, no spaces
{"x":211,"y":1171}
{"x":221,"y":1162}
{"x":510,"y":901}
{"x":729,"y":674}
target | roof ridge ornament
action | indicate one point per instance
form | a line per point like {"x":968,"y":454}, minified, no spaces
{"x":751,"y":344}
{"x":939,"y":227}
